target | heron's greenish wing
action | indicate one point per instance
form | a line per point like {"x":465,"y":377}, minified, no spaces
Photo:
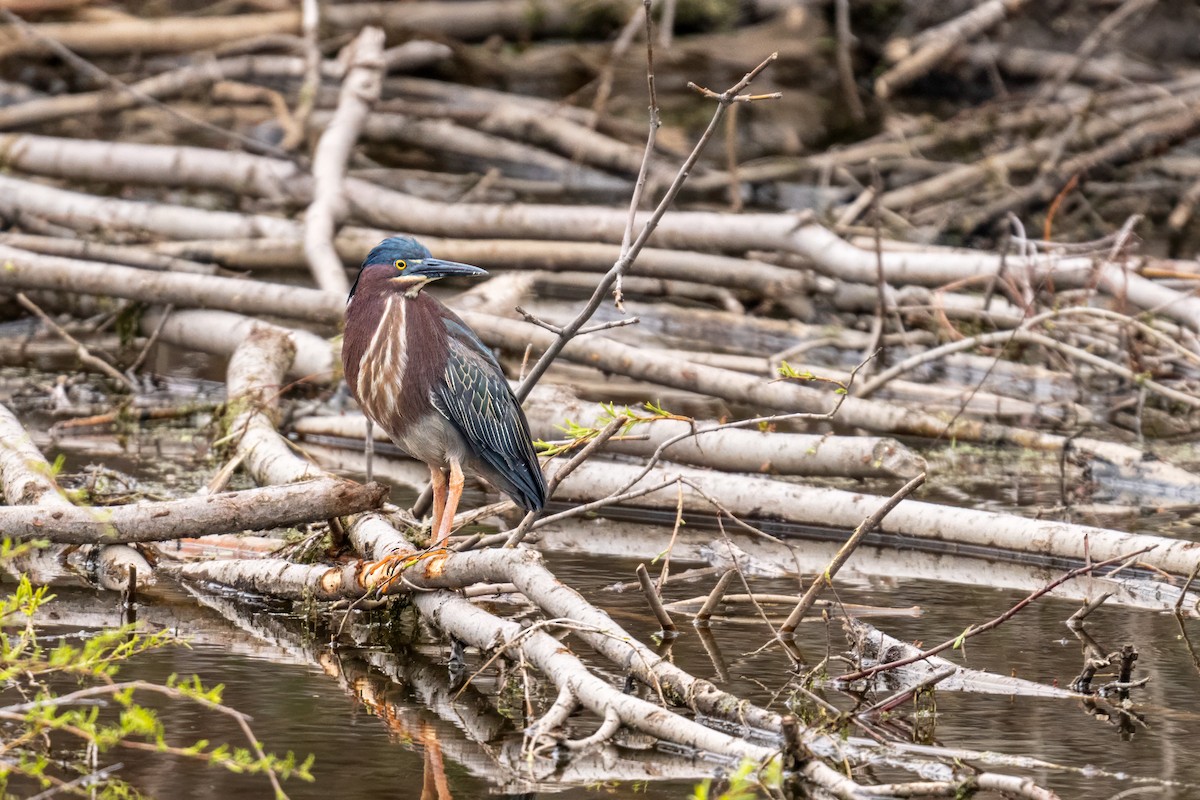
{"x":476,"y":399}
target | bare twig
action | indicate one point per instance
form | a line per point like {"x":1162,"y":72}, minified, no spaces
{"x":656,"y":605}
{"x":845,"y":63}
{"x":310,"y":21}
{"x":843,"y":554}
{"x":150,"y":342}
{"x":714,"y":599}
{"x":1104,"y":29}
{"x":630,"y":253}
{"x":993,"y":623}
{"x":81,"y":350}
{"x":1186,"y":585}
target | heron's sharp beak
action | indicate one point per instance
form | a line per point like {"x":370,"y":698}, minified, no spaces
{"x":434,"y":268}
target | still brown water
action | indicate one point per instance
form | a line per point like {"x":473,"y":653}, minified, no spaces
{"x":365,"y":750}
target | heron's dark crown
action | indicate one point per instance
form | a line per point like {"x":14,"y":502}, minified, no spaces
{"x":394,"y":247}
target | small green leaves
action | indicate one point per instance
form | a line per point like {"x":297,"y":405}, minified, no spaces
{"x":746,"y":783}
{"x":80,"y":732}
{"x":786,"y":370}
{"x":576,"y":435}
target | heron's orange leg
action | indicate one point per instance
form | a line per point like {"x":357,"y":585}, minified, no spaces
{"x":452,"y":498}
{"x":438,"y":480}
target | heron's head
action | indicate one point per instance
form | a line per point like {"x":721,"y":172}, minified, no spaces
{"x":410,"y":265}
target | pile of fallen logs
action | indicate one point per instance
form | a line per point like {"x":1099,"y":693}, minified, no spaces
{"x":758,"y":365}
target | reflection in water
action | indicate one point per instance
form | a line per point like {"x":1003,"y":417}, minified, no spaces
{"x":392,"y":720}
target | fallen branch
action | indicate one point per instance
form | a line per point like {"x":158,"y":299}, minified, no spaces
{"x":360,"y":90}
{"x":27,"y":479}
{"x":202,"y":515}
{"x":935,"y":44}
{"x":752,"y":497}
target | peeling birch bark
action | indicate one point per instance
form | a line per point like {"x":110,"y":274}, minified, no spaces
{"x":271,"y":577}
{"x":222,"y":332}
{"x":89,"y":212}
{"x":254,"y":382}
{"x":84,"y":159}
{"x":756,"y":555}
{"x":27,"y":479}
{"x":148,"y":35}
{"x":735,"y":450}
{"x":22,"y":269}
{"x":756,"y":497}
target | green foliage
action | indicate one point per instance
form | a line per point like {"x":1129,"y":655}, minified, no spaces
{"x":750,"y":781}
{"x":790,"y":373}
{"x":58,"y":741}
{"x":579,"y":435}
{"x":701,"y":16}
{"x":128,"y":323}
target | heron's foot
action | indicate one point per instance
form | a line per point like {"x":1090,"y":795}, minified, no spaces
{"x":383,"y":575}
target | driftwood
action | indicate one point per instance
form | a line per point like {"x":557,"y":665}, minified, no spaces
{"x":725,"y":448}
{"x":27,"y":271}
{"x":756,"y":497}
{"x":359,"y":92}
{"x":27,"y":479}
{"x":690,"y":230}
{"x":253,"y":509}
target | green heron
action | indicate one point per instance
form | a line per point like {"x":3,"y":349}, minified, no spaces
{"x":422,"y":375}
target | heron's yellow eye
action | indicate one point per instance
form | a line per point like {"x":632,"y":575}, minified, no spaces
{"x":401,"y":264}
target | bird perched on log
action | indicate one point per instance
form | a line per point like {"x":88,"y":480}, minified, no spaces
{"x":422,"y":375}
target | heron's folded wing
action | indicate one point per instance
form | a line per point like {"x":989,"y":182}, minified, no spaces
{"x":476,"y":399}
